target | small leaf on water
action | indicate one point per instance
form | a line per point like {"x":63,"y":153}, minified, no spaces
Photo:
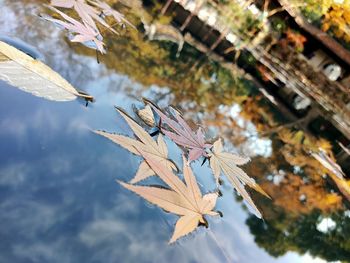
{"x":86,"y":31}
{"x":30,"y":75}
{"x":83,"y":32}
{"x":182,"y":134}
{"x":108,"y":11}
{"x":227,"y":163}
{"x":146,"y":114}
{"x":86,"y":12}
{"x":328,"y":163}
{"x":182,"y":199}
{"x":145,"y":142}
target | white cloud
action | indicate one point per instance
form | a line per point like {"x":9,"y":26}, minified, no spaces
{"x":14,"y":174}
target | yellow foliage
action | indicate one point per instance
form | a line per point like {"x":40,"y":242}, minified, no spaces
{"x":337,"y":19}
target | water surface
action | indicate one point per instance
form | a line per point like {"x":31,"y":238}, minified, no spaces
{"x":59,"y":201}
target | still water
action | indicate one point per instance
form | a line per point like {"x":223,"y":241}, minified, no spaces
{"x":59,"y":201}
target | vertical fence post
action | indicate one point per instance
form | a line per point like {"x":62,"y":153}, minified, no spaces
{"x":166,"y":7}
{"x":195,"y":11}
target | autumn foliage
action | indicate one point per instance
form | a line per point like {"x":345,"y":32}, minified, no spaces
{"x":337,"y":20}
{"x":182,"y":199}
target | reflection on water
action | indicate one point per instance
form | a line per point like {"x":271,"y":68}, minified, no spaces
{"x":59,"y":200}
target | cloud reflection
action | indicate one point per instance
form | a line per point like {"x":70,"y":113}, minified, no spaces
{"x":59,"y":200}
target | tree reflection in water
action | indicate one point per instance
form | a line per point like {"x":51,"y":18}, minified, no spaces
{"x":302,"y":194}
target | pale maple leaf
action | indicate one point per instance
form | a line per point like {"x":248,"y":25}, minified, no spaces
{"x":328,"y":163}
{"x":146,"y":115}
{"x":86,"y":12}
{"x":181,"y":199}
{"x":83,"y":33}
{"x":226,"y":163}
{"x":109,"y":11}
{"x":158,"y":149}
{"x":183,"y":135}
{"x":63,"y":3}
{"x":336,"y":172}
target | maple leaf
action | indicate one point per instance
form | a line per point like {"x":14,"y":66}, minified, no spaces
{"x":227,"y":163}
{"x":182,"y":199}
{"x":146,"y":115}
{"x":84,"y":33}
{"x":86,"y":12}
{"x":108,"y":11}
{"x":183,"y":134}
{"x":63,"y":3}
{"x":328,"y":163}
{"x":158,"y":150}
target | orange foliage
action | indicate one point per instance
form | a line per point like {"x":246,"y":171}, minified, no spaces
{"x":264,"y":72}
{"x":294,"y":39}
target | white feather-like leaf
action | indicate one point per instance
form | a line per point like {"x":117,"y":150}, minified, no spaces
{"x":31,"y":75}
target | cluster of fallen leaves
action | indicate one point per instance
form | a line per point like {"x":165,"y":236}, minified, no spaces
{"x":181,"y":198}
{"x":91,"y":13}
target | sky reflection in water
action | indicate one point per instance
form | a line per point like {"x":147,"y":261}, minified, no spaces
{"x":59,"y":201}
